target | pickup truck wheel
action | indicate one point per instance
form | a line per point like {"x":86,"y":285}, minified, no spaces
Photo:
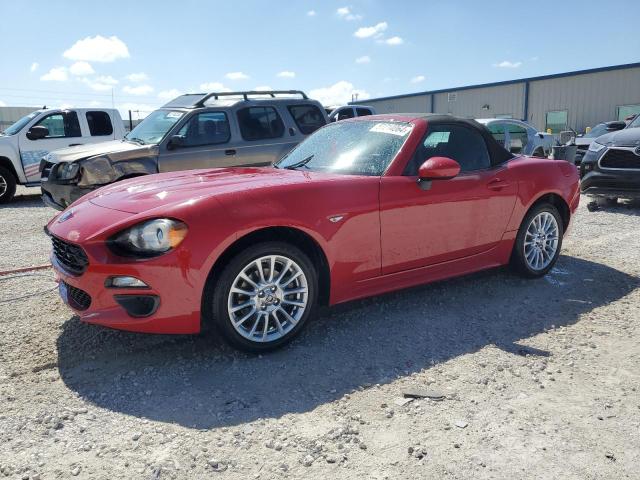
{"x":263,"y":297}
{"x":7,"y":185}
{"x":538,"y":242}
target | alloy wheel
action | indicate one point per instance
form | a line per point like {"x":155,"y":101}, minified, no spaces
{"x":268,"y":298}
{"x":541,"y":241}
{"x":3,"y":185}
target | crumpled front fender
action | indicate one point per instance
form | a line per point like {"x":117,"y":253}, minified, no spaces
{"x":102,"y":170}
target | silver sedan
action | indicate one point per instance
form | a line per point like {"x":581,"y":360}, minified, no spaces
{"x":519,"y":137}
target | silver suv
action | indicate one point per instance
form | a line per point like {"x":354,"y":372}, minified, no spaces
{"x":192,"y":131}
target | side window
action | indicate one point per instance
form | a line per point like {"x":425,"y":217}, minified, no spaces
{"x":260,"y":123}
{"x":462,"y":144}
{"x":61,"y":125}
{"x":518,"y":138}
{"x":308,"y":118}
{"x":99,"y":124}
{"x":345,"y":113}
{"x":363,"y":112}
{"x":209,"y":128}
{"x":498,"y":132}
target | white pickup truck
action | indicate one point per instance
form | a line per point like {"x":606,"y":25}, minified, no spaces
{"x":23,"y":144}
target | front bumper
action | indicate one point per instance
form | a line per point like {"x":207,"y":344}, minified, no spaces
{"x":623,"y":184}
{"x":171,"y":304}
{"x":61,"y":195}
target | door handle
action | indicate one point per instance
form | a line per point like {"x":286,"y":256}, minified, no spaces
{"x":497,"y":184}
{"x":74,"y":144}
{"x":230,"y":152}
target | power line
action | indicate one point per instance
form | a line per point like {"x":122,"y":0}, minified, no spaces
{"x":72,"y":94}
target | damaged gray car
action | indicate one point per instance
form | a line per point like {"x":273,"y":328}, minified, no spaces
{"x":190,"y":132}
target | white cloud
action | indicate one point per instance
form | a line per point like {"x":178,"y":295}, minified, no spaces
{"x":363,"y":59}
{"x":2,"y":104}
{"x":56,"y":74}
{"x":337,"y":94}
{"x":418,"y":79}
{"x":347,"y":14}
{"x":311,"y":13}
{"x":394,"y":41}
{"x":138,"y":90}
{"x":263,"y":88}
{"x":34,"y":66}
{"x":66,"y":106}
{"x":237,"y":76}
{"x":287,"y":74}
{"x":101,"y":84}
{"x":81,"y":69}
{"x":137,"y":77}
{"x":169,"y":94}
{"x":366,"y":32}
{"x":507,"y":64}
{"x":98,"y":49}
{"x":95,"y":103}
{"x":214,"y":87}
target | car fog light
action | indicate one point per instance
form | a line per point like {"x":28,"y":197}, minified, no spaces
{"x":125,"y":282}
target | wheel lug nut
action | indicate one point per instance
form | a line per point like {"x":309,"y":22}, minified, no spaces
{"x":273,"y":288}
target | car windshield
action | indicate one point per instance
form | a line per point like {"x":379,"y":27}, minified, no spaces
{"x":635,"y":123}
{"x":19,"y":125}
{"x":596,"y":131}
{"x":154,"y":127}
{"x":350,"y":148}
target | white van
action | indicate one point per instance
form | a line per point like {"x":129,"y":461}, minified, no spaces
{"x":23,"y":144}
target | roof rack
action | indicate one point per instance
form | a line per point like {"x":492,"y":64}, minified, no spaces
{"x":272,"y":93}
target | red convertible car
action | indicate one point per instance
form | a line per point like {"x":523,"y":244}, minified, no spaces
{"x":362,"y":207}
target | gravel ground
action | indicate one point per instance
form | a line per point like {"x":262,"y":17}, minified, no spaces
{"x":538,"y":379}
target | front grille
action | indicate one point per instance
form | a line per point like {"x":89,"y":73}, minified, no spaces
{"x":615,"y":158}
{"x":77,"y":298}
{"x":71,"y":257}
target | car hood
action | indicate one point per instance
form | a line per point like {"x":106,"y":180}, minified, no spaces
{"x":138,"y":195}
{"x":628,"y":137}
{"x":114,"y":149}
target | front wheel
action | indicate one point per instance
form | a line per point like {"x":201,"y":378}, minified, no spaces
{"x":538,"y":242}
{"x":263,"y":297}
{"x":7,"y":185}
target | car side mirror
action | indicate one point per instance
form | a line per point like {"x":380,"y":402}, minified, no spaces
{"x":437,"y":168}
{"x":37,"y":133}
{"x":176,"y":141}
{"x":615,"y":126}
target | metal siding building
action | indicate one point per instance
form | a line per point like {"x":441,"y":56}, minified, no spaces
{"x":584,"y":98}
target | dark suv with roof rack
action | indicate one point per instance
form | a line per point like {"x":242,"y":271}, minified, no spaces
{"x":611,"y":167}
{"x":192,"y":131}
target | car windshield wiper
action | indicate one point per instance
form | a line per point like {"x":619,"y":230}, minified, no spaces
{"x":301,"y":163}
{"x":137,"y":140}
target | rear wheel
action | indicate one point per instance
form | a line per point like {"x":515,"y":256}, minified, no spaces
{"x":263,"y":297}
{"x":538,"y":241}
{"x":7,"y":185}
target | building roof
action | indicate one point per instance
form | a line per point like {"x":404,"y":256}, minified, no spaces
{"x":505,"y":82}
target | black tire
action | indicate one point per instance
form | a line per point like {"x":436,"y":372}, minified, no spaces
{"x":217,"y":291}
{"x":518,"y":260}
{"x":593,"y":206}
{"x":7,"y":185}
{"x":539,"y":152}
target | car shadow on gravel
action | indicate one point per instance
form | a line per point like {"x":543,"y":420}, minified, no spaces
{"x":198,"y":382}
{"x":24,"y":201}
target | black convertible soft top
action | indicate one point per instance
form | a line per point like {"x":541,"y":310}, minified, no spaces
{"x":497,"y":152}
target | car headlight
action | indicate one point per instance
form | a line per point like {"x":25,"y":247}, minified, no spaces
{"x":68,"y":170}
{"x":596,"y":147}
{"x":150,"y":238}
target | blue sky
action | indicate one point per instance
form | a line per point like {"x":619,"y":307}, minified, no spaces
{"x":75,"y":53}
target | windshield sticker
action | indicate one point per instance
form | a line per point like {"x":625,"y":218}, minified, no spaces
{"x":174,"y":114}
{"x":391,"y":128}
